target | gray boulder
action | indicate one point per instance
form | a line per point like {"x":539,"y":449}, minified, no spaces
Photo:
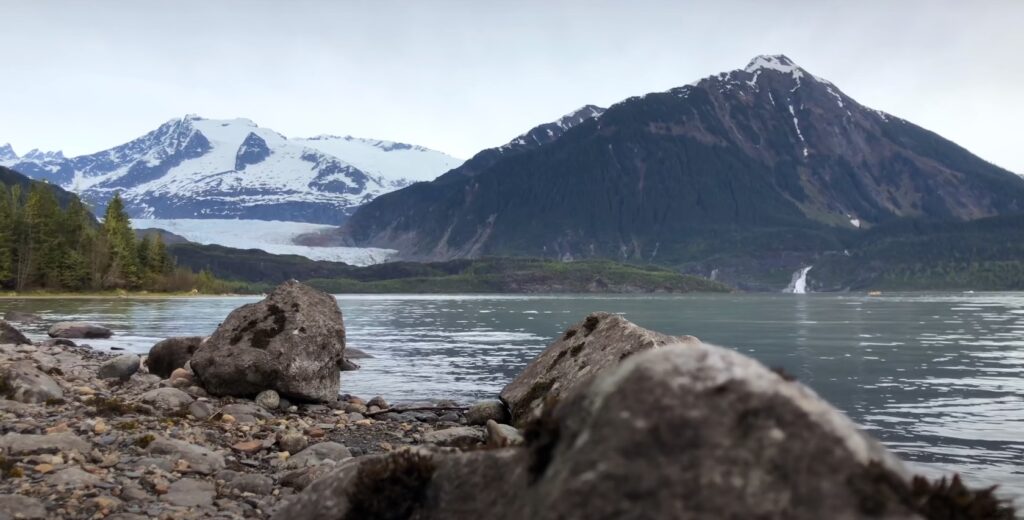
{"x":171,"y":354}
{"x":190,"y":492}
{"x":600,"y":341}
{"x":12,"y":336}
{"x":693,"y":431}
{"x":21,"y":317}
{"x":19,"y":444}
{"x":23,"y":382}
{"x":320,"y":453}
{"x":79,"y":329}
{"x":121,"y":367}
{"x":292,"y":342}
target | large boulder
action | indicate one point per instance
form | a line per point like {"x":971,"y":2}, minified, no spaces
{"x":695,"y":432}
{"x":172,"y":353}
{"x":12,"y":336}
{"x":79,"y":329}
{"x":23,"y":382}
{"x":292,"y":342}
{"x":600,"y":341}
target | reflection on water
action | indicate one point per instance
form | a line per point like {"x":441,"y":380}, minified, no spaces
{"x":938,"y":377}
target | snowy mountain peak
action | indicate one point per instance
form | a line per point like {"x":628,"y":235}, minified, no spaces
{"x":579,"y":115}
{"x":777,"y":62}
{"x":7,"y":153}
{"x":38,"y":155}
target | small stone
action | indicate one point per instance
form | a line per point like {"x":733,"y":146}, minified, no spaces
{"x":502,"y":435}
{"x":27,"y":444}
{"x":248,"y":446}
{"x":293,"y":442}
{"x":449,"y":417}
{"x":379,"y":402}
{"x":199,"y":459}
{"x":317,"y":454}
{"x":43,"y":468}
{"x":458,"y":437}
{"x":255,"y":484}
{"x":73,"y":477}
{"x":181,"y":373}
{"x":355,"y":408}
{"x":480,"y":413}
{"x":167,"y":398}
{"x":104,"y":503}
{"x":200,"y":409}
{"x":268,"y":399}
{"x":121,"y":367}
{"x":190,"y":492}
{"x":227,"y":419}
{"x":100,"y":427}
{"x":316,"y":433}
{"x":84,"y":390}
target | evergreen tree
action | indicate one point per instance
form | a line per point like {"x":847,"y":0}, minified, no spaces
{"x":7,"y":238}
{"x":124,"y":269}
{"x":42,"y":218}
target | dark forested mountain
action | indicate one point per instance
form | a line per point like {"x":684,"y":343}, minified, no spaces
{"x":10,"y":178}
{"x":765,"y":160}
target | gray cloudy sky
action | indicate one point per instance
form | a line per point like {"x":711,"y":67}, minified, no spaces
{"x":464,"y":75}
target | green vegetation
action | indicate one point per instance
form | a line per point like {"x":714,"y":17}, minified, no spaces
{"x":50,"y":242}
{"x":519,"y":275}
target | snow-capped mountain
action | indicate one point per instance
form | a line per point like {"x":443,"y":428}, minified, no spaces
{"x":208,"y":168}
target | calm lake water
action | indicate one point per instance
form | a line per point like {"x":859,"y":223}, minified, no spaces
{"x":938,"y":377}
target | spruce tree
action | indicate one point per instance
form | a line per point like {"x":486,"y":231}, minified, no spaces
{"x":7,"y":239}
{"x":124,"y":272}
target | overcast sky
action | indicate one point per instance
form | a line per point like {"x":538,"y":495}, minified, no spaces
{"x":460,"y":76}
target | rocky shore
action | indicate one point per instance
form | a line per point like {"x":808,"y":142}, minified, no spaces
{"x":611,"y":421}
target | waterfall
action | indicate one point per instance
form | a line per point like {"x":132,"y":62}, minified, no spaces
{"x":799,"y":283}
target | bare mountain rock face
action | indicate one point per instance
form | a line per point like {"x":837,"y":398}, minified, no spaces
{"x":600,"y":341}
{"x":689,"y":430}
{"x":293,"y":342}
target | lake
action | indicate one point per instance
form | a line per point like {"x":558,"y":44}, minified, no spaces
{"x":939,"y":377}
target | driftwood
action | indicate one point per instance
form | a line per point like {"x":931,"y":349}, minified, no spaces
{"x":418,"y":409}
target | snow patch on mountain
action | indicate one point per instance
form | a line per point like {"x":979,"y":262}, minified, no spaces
{"x":399,"y":164}
{"x":275,"y":237}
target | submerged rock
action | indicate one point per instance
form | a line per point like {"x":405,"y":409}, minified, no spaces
{"x":688,"y":431}
{"x":79,"y":329}
{"x":600,"y":341}
{"x":171,"y":354}
{"x":21,"y":317}
{"x":292,"y":342}
{"x":9,"y":335}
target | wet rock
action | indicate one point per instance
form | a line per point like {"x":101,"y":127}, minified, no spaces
{"x":30,"y":444}
{"x":166,"y":398}
{"x":268,"y":399}
{"x":457,"y":437}
{"x":171,"y":354}
{"x":121,"y":367}
{"x":600,"y":341}
{"x":79,"y":329}
{"x":199,"y":459}
{"x":23,"y":382}
{"x":190,"y":492}
{"x":58,"y":342}
{"x":19,"y":506}
{"x":347,"y":365}
{"x":378,"y":401}
{"x":354,"y":353}
{"x":292,"y":342}
{"x":502,"y":435}
{"x":11,"y":336}
{"x":20,"y":317}
{"x":484,"y":411}
{"x":318,"y":454}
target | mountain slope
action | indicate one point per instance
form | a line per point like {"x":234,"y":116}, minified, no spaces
{"x":10,"y":178}
{"x":763,"y":159}
{"x":202,"y":168}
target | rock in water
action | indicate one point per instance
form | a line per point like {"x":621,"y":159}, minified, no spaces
{"x":171,"y":354}
{"x":292,"y":342}
{"x":79,"y":329}
{"x":121,"y":367}
{"x":12,"y":336}
{"x":689,"y":431}
{"x":600,"y":341}
{"x":23,"y":382}
{"x":21,"y":317}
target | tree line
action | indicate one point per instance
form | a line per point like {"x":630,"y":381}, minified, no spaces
{"x":44,"y":246}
